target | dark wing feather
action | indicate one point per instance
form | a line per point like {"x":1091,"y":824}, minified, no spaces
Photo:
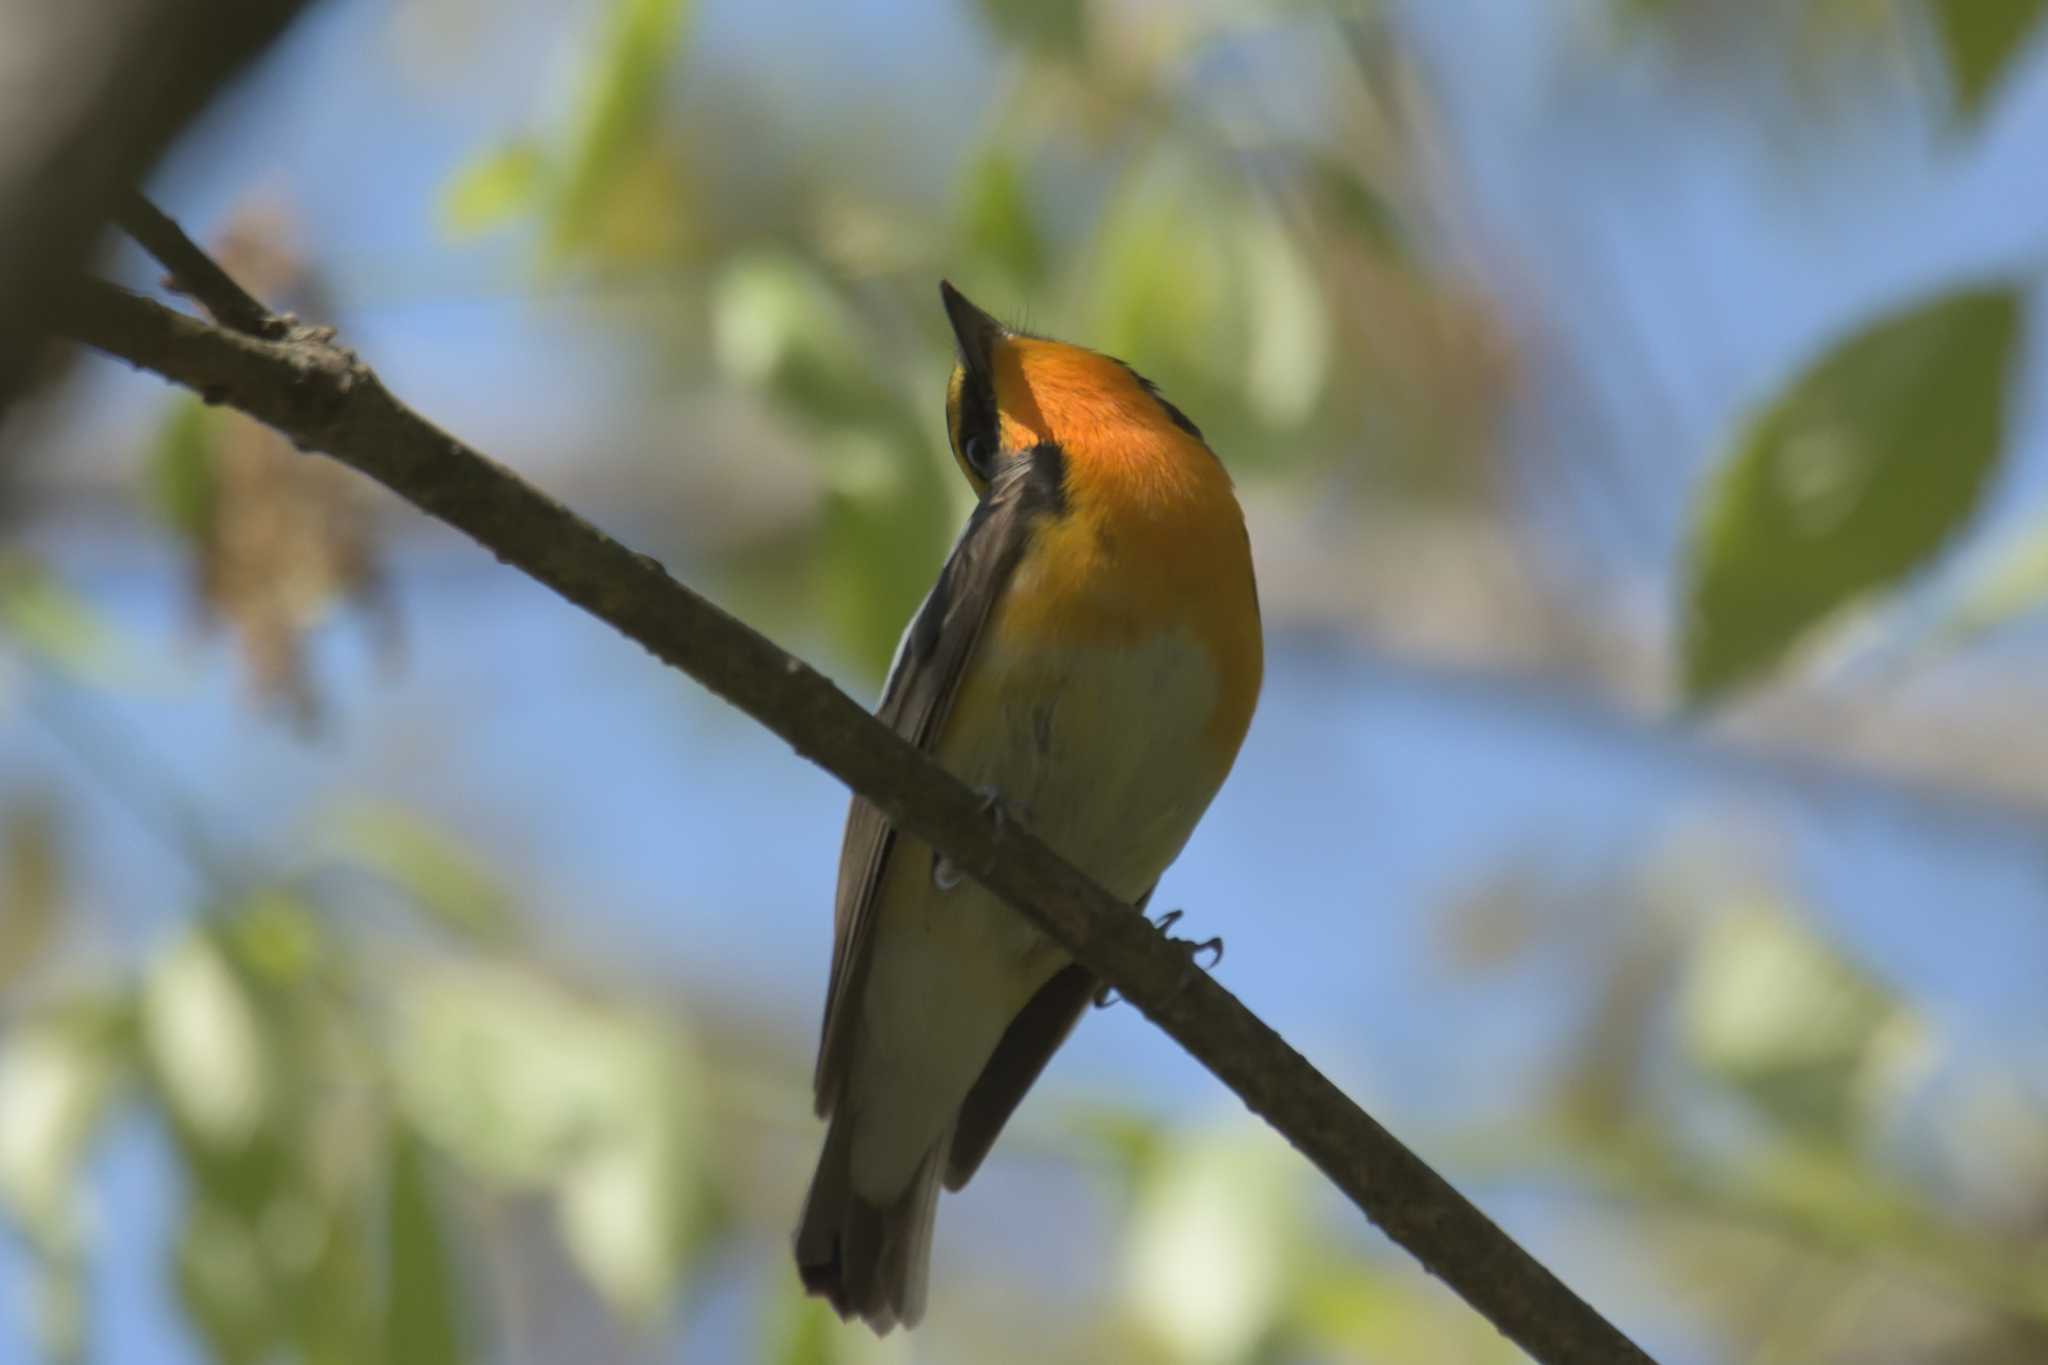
{"x":915,"y":703}
{"x":1028,"y":1044}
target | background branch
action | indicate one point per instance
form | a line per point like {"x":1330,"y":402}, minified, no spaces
{"x":94,"y":93}
{"x":325,"y":399}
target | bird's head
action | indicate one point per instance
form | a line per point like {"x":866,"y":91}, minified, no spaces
{"x":1011,"y":391}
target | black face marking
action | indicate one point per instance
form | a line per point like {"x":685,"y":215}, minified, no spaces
{"x":1173,"y":414}
{"x":1030,"y":485}
{"x":1046,"y":479}
{"x":977,"y":429}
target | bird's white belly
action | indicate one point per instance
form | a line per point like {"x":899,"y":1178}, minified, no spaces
{"x":1103,"y":752}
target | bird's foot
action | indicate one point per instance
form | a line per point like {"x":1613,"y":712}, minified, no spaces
{"x":1107,"y":996}
{"x":945,"y":875}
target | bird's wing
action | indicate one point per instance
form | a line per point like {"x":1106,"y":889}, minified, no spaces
{"x":923,"y":682}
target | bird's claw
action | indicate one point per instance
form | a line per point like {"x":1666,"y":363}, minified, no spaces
{"x":1107,"y":996}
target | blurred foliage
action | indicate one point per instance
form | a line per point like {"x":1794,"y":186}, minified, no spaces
{"x":1852,"y":478}
{"x":818,"y":289}
{"x":373,"y":1114}
{"x":1980,"y":39}
{"x":276,"y":541}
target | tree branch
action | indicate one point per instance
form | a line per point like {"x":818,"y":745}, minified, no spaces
{"x":93,"y":93}
{"x":325,"y":399}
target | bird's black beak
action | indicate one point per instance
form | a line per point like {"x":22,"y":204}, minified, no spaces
{"x":976,"y":332}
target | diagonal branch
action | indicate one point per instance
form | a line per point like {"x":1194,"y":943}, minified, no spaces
{"x":325,"y":399}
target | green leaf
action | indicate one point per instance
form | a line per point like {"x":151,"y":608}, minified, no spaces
{"x":59,"y":1074}
{"x":997,"y":217}
{"x":489,"y":192}
{"x":179,"y":478}
{"x":1210,"y":1242}
{"x":440,"y":876}
{"x":207,"y":1045}
{"x":1774,"y":1011}
{"x":1289,"y":337}
{"x":1054,"y":28}
{"x":1980,"y":38}
{"x":32,"y":900}
{"x":224,"y":1285}
{"x":422,"y":1326}
{"x":1851,"y":479}
{"x":618,"y":108}
{"x":528,"y":1085}
{"x":58,"y":625}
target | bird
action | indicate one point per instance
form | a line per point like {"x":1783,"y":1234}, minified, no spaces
{"x":1089,"y":658}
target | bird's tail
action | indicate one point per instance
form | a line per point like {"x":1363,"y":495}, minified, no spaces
{"x":870,"y":1260}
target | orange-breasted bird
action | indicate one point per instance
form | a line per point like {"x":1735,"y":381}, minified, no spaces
{"x":1090,"y":656}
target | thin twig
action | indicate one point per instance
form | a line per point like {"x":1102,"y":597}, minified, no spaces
{"x":325,"y":399}
{"x":196,"y":273}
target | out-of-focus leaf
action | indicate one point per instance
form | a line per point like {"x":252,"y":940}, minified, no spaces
{"x":1290,"y":328}
{"x":626,"y":1198}
{"x":492,"y":190}
{"x":1345,"y":1309}
{"x":31,"y":890}
{"x":530,"y":1086}
{"x":51,"y":621}
{"x":225,"y":1287}
{"x":777,"y":324}
{"x":276,"y":937}
{"x":1056,"y":28}
{"x":1847,"y":482}
{"x":205,"y":1042}
{"x":1209,"y":1243}
{"x":1355,"y":203}
{"x":1980,"y":38}
{"x":422,"y":1324}
{"x":58,"y":1076}
{"x":180,"y":478}
{"x":801,"y":1330}
{"x":441,"y":877}
{"x":617,"y":110}
{"x":1768,"y":1007}
{"x":998,"y":219}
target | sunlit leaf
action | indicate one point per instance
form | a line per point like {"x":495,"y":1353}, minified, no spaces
{"x":180,"y":477}
{"x":1209,"y":1241}
{"x":276,"y":937}
{"x":492,"y":190}
{"x":1980,"y":39}
{"x":778,"y":324}
{"x":206,"y":1044}
{"x":1771,"y":1008}
{"x":527,"y":1085}
{"x":422,"y":1318}
{"x":58,"y":1075}
{"x":1290,"y":327}
{"x":441,"y":877}
{"x":1847,"y":482}
{"x":617,"y":109}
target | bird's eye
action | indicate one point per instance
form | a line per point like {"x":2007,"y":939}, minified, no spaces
{"x":979,"y":451}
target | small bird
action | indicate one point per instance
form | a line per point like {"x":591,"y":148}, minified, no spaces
{"x":1090,"y":657}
